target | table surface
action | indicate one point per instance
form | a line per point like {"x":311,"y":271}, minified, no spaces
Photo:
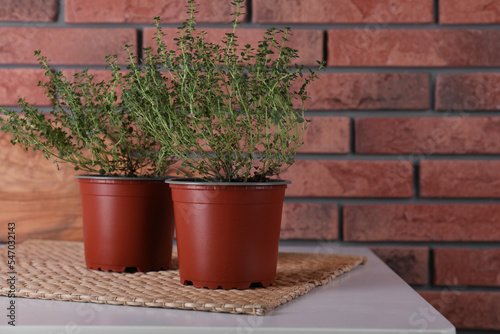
{"x":369,"y":299}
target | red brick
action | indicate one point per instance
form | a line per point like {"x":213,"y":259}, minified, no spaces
{"x":29,"y":10}
{"x":78,"y":46}
{"x":457,"y":178}
{"x":465,"y":310}
{"x":369,"y":91}
{"x":21,"y":83}
{"x":312,"y":221}
{"x":422,"y":222}
{"x":308,"y":42}
{"x":327,"y":135}
{"x":477,"y":91}
{"x":469,"y":11}
{"x":410,"y":263}
{"x":342,"y":11}
{"x":319,"y":178}
{"x":428,"y":135}
{"x":462,"y":266}
{"x":400,"y":47}
{"x":170,"y":11}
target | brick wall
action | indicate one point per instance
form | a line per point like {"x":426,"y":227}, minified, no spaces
{"x":402,"y":154}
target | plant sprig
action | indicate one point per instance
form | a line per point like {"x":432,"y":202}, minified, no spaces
{"x":88,"y":127}
{"x":226,"y":112}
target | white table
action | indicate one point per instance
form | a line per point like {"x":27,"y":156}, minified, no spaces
{"x":369,"y":299}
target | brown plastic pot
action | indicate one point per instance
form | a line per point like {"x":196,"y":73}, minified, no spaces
{"x":227,"y":233}
{"x":128,"y":223}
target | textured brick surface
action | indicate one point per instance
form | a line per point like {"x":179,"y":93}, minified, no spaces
{"x":422,"y":222}
{"x":327,"y":135}
{"x":399,"y":47}
{"x":312,"y":221}
{"x":469,"y":11}
{"x":342,"y":11}
{"x":21,"y":83}
{"x":81,"y":11}
{"x":29,"y":10}
{"x":465,"y":310}
{"x":317,"y":178}
{"x":470,"y":92}
{"x":410,"y":263}
{"x":88,"y":46}
{"x":369,"y":91}
{"x":459,"y":178}
{"x":462,"y":266}
{"x":428,"y":135}
{"x":308,"y":42}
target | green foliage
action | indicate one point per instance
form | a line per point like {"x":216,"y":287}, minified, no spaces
{"x":89,"y":127}
{"x":225,"y":111}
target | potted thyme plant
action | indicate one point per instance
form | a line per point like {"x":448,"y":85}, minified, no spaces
{"x":127,"y":211}
{"x":229,"y":114}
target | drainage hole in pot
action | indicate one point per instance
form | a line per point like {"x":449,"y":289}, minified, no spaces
{"x":191,"y":283}
{"x":256,"y":285}
{"x":130,"y":270}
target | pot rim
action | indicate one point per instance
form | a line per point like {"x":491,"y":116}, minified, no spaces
{"x":109,"y":177}
{"x":198,"y":181}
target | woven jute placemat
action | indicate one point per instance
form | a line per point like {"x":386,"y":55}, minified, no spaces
{"x":56,"y":270}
